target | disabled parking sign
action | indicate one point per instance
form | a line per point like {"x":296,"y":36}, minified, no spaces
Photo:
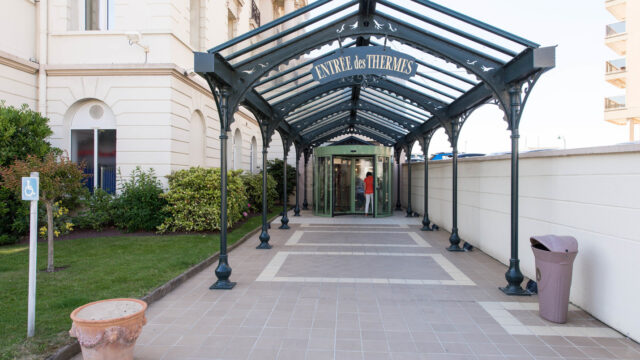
{"x":30,"y":188}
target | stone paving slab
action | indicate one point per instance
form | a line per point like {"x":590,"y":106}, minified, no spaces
{"x":348,"y":318}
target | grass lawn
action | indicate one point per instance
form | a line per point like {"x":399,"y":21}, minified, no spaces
{"x":98,"y":268}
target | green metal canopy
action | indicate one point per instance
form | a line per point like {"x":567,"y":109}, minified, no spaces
{"x":392,"y":71}
{"x":461,"y":63}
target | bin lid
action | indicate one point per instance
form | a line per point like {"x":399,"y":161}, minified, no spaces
{"x":556,"y":243}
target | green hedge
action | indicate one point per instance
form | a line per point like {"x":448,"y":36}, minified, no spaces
{"x":253,"y":188}
{"x":193,"y":200}
{"x":275,"y":168}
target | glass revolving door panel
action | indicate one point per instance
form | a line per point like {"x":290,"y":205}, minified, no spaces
{"x":342,"y":189}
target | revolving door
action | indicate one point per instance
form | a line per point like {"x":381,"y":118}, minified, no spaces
{"x":339,"y":173}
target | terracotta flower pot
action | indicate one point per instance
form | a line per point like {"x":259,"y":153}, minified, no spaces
{"x":108,"y":329}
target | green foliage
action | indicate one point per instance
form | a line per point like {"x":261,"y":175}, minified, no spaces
{"x":140,"y":205}
{"x":97,"y":211}
{"x":22,"y":132}
{"x":194,"y":200}
{"x":14,"y":216}
{"x":98,"y":268}
{"x":253,"y":188}
{"x":275,"y":168}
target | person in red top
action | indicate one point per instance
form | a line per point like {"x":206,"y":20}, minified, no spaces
{"x":368,"y":192}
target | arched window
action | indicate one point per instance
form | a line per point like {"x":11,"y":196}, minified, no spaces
{"x":93,"y":141}
{"x":196,"y":139}
{"x":253,"y":159}
{"x":237,"y":150}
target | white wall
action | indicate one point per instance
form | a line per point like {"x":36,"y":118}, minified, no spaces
{"x":591,"y":194}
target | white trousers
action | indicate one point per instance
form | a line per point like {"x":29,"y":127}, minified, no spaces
{"x":368,"y":199}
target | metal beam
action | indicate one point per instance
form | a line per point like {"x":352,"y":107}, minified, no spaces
{"x":527,"y":63}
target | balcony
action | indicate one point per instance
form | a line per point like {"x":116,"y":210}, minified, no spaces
{"x":615,"y":103}
{"x":616,"y":37}
{"x":616,"y":72}
{"x":255,"y":13}
{"x":617,"y":8}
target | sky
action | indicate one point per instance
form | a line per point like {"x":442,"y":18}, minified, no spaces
{"x":565,"y":108}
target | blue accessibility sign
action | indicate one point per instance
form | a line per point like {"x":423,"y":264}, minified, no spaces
{"x":30,"y":188}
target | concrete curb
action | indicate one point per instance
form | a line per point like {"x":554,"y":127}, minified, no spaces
{"x":68,"y":351}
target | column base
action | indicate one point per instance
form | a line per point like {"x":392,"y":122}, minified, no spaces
{"x":454,"y":240}
{"x":455,"y":248}
{"x":409,"y":212}
{"x":296,"y":211}
{"x":264,"y":240}
{"x":222,"y":285}
{"x":264,"y":246}
{"x":514,"y":290}
{"x":426,"y":224}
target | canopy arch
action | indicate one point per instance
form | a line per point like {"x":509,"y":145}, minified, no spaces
{"x":460,"y":64}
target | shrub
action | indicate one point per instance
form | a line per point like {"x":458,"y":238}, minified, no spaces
{"x":253,"y":188}
{"x":62,"y":223}
{"x":97,"y":211}
{"x":275,"y":168}
{"x":22,"y":132}
{"x":140,"y":204}
{"x":194,"y":200}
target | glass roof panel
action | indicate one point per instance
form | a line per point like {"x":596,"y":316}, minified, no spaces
{"x":384,"y":122}
{"x":324,"y":122}
{"x":321,"y":100}
{"x":344,"y":99}
{"x":405,"y":113}
{"x":292,"y":28}
{"x":404,"y":104}
{"x":451,"y":29}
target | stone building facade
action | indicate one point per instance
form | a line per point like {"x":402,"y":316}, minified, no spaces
{"x":120,"y":71}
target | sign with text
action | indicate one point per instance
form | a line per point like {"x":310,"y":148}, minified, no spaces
{"x":364,"y":60}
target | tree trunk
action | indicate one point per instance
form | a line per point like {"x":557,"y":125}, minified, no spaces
{"x":50,"y":267}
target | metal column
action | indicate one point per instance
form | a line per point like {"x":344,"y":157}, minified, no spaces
{"x":296,"y":209}
{"x":264,"y":235}
{"x":305,"y":204}
{"x":223,"y":271}
{"x":398,"y":202}
{"x":285,"y":219}
{"x":409,"y":210}
{"x":513,"y":275}
{"x":426,"y":223}
{"x":454,"y":239}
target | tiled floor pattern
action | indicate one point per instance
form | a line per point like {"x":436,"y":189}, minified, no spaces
{"x":336,"y":301}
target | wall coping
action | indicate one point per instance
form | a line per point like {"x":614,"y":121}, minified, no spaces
{"x":596,"y":150}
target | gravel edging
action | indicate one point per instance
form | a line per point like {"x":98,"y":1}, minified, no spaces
{"x":68,"y":351}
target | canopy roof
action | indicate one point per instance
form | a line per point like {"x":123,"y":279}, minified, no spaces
{"x":462,"y":63}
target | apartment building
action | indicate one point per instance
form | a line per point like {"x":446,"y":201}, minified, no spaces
{"x":115,"y":79}
{"x":623,"y":37}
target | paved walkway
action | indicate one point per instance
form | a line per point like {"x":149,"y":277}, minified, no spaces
{"x":356,"y":288}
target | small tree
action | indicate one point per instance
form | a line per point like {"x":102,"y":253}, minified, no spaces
{"x":22,"y":132}
{"x":60,"y":179}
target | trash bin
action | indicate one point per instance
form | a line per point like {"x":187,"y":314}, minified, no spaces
{"x":554,"y":264}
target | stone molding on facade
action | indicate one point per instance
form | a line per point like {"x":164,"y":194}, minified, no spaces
{"x":18,"y":63}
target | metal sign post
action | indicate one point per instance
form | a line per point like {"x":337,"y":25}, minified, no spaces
{"x":30,"y":192}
